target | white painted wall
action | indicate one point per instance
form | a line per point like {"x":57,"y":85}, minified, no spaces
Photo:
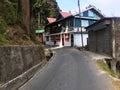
{"x":77,"y":39}
{"x":51,"y":43}
{"x":66,"y":43}
{"x":59,"y":43}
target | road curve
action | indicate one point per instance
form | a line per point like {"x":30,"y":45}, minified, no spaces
{"x":70,"y":69}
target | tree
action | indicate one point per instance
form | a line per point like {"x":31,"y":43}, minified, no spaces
{"x":39,"y":6}
{"x":44,"y":9}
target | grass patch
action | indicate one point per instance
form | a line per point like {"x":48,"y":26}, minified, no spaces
{"x":3,"y":40}
{"x":105,"y":67}
{"x":102,"y":65}
{"x":38,"y":43}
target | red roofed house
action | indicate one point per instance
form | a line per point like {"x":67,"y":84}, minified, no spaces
{"x":65,"y":30}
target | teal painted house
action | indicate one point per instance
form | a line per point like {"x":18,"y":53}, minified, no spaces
{"x":65,"y":29}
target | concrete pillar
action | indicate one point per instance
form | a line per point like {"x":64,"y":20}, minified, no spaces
{"x":113,"y":65}
{"x":64,"y":38}
{"x":118,"y":69}
{"x":60,"y":45}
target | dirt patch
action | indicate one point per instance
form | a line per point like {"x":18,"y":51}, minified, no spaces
{"x":116,"y":83}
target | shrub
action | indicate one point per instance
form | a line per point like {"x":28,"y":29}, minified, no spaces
{"x":3,"y":40}
{"x":11,"y":16}
{"x":3,"y":26}
{"x":11,"y":12}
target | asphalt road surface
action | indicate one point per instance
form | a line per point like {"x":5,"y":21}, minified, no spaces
{"x":70,"y":69}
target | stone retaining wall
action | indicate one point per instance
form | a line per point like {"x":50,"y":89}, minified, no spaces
{"x":15,"y":60}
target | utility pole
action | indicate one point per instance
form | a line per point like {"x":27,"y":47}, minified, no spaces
{"x":80,"y":23}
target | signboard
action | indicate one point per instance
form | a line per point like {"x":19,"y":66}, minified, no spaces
{"x":39,"y":31}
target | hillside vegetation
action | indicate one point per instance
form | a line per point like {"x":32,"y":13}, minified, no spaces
{"x":12,"y":25}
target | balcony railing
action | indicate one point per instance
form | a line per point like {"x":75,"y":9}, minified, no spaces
{"x":72,"y":29}
{"x":69,"y":29}
{"x":78,"y":29}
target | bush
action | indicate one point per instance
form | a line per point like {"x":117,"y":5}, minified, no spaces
{"x":11,"y":15}
{"x":3,"y":40}
{"x":11,"y":12}
{"x":3,"y":26}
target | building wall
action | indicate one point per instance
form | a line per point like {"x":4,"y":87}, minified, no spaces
{"x":48,"y":40}
{"x":116,"y":32}
{"x":67,"y":39}
{"x":77,"y":39}
{"x":103,"y":41}
{"x":61,"y":38}
{"x":92,"y":41}
{"x":91,"y":14}
{"x":116,"y":45}
{"x":84,"y":22}
{"x":99,"y":41}
{"x":107,"y":41}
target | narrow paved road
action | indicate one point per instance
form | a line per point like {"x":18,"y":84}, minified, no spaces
{"x":69,"y":70}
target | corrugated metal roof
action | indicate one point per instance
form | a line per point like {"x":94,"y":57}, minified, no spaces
{"x":51,"y":20}
{"x":65,"y":14}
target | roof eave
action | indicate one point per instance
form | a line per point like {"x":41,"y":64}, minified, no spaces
{"x":59,"y":20}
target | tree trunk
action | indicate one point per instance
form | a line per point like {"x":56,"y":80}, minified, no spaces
{"x":26,"y":10}
{"x":38,"y":20}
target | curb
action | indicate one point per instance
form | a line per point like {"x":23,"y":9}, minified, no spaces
{"x":23,"y":78}
{"x":15,"y":83}
{"x":48,"y":62}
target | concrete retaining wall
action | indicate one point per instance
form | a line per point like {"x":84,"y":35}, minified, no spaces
{"x":15,"y":60}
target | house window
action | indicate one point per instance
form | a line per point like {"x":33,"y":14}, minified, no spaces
{"x":77,"y":22}
{"x":85,"y":23}
{"x":90,"y":13}
{"x":81,"y":14}
{"x":85,"y":14}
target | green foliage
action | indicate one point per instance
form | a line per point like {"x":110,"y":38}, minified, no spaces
{"x":32,"y":34}
{"x":11,"y":12}
{"x":3,"y":26}
{"x":38,"y":43}
{"x":8,"y":12}
{"x":3,"y":40}
{"x":38,"y":5}
{"x":105,"y":67}
{"x":11,"y":17}
{"x":46,"y":8}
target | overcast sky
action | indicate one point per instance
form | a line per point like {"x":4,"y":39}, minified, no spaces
{"x":107,"y":7}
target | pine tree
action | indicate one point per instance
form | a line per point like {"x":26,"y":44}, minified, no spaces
{"x":44,"y":9}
